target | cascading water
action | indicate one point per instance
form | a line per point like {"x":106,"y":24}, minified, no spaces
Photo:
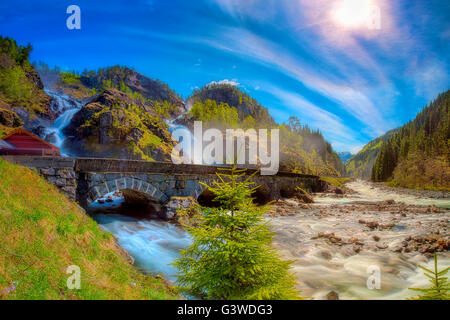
{"x":185,"y":132}
{"x":153,"y":244}
{"x":68,"y":107}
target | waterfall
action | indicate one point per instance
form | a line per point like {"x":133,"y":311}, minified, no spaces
{"x":174,"y":126}
{"x":68,"y":107}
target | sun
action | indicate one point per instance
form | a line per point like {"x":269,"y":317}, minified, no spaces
{"x":352,"y":13}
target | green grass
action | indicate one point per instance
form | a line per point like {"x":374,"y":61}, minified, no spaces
{"x":42,"y":233}
{"x":338,"y":182}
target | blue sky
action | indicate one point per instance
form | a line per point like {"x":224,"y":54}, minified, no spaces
{"x":314,"y":59}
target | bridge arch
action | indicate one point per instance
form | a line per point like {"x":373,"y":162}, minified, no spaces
{"x":103,"y":188}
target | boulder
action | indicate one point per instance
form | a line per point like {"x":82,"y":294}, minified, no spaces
{"x":170,"y":209}
{"x":10,"y":118}
{"x":303,"y":196}
{"x":332,"y":295}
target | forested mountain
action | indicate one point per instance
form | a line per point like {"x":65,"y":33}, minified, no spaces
{"x":246,"y":106}
{"x":418,"y":155}
{"x":304,"y":150}
{"x":124,"y":113}
{"x":91,"y":82}
{"x":360,"y":165}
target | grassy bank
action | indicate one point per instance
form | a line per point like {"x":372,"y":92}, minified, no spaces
{"x":42,"y":233}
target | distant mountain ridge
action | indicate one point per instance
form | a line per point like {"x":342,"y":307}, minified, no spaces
{"x":360,"y":165}
{"x":344,"y":156}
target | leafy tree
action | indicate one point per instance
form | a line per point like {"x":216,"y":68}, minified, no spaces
{"x":440,"y":289}
{"x":231,"y":256}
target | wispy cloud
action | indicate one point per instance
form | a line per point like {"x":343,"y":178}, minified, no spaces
{"x":245,"y":43}
{"x":316,"y":117}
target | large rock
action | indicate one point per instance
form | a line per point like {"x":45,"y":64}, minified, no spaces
{"x":303,"y":196}
{"x":175,"y":203}
{"x":9,"y":118}
{"x":108,"y":127}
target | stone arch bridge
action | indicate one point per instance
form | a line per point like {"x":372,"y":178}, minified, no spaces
{"x":87,"y":179}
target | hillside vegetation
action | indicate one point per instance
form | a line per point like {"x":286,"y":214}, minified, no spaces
{"x":245,"y":105}
{"x":42,"y":233}
{"x":20,"y":87}
{"x":120,"y":124}
{"x":360,"y":165}
{"x":418,"y":155}
{"x":125,"y":114}
{"x":302,"y":149}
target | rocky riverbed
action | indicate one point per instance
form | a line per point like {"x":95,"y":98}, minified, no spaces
{"x":334,"y":241}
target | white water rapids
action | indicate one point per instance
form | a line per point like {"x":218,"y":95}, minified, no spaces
{"x":322,"y":267}
{"x":319,"y":267}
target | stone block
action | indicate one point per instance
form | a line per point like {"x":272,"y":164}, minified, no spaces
{"x":61,"y":182}
{"x":51,"y":179}
{"x":180,"y":184}
{"x":66,"y":174}
{"x":71,"y":182}
{"x":48,"y":171}
{"x":155,"y":178}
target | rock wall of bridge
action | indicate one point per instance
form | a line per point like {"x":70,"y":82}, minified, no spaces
{"x":89,"y":179}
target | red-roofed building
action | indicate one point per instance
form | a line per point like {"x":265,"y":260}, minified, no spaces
{"x":22,"y":142}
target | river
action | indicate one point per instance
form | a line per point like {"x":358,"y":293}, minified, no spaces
{"x":320,"y":266}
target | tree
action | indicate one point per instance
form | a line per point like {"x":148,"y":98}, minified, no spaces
{"x":231,"y":256}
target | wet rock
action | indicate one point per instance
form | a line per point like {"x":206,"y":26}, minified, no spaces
{"x":50,"y":137}
{"x":356,"y":249}
{"x":372,"y":224}
{"x":10,"y":118}
{"x":353,"y":240}
{"x":332,"y":295}
{"x":326,"y":254}
{"x":305,"y":198}
{"x":381,"y":246}
{"x":175,"y":203}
